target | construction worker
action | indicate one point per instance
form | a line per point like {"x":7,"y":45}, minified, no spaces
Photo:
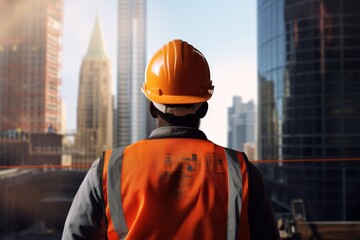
{"x":176,"y":184}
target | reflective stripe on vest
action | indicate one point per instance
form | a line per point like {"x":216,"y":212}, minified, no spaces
{"x":111,"y":179}
{"x":238,"y":228}
{"x":133,"y":203}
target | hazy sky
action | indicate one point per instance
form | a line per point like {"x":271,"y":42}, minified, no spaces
{"x":224,"y":31}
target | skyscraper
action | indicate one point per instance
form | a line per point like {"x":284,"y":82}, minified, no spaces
{"x":30,"y":34}
{"x":241,"y":124}
{"x":95,"y":106}
{"x":132,"y":113}
{"x":309,"y":61}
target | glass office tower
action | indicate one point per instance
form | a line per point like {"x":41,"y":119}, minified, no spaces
{"x":309,"y":103}
{"x":132,"y":113}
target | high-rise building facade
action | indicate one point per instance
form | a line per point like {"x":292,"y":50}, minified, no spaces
{"x":30,"y":34}
{"x":132,"y":114}
{"x":95,"y":106}
{"x":309,"y":103}
{"x":241,"y":124}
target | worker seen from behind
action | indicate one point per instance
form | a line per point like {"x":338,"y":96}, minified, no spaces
{"x":176,"y":184}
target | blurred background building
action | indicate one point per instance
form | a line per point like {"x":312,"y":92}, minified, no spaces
{"x":242,"y":126}
{"x":30,"y":33}
{"x":95,"y":103}
{"x":133,"y":120}
{"x":22,"y":148}
{"x":309,"y":103}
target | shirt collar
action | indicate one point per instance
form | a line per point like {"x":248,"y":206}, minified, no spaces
{"x":177,"y":132}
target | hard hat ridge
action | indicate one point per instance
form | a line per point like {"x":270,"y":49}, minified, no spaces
{"x":178,"y":73}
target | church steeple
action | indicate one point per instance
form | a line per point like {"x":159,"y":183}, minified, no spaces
{"x":94,"y":110}
{"x":97,"y":48}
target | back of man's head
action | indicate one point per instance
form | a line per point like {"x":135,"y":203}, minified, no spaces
{"x":177,"y":82}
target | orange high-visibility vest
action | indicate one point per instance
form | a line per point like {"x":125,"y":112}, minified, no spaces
{"x":175,"y":188}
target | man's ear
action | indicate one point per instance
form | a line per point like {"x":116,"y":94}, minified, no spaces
{"x":203,"y":110}
{"x":152,"y":110}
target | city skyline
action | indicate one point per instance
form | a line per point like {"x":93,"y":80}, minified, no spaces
{"x":295,"y":72}
{"x":228,"y":42}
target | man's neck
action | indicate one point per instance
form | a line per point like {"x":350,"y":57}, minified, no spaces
{"x":162,"y":123}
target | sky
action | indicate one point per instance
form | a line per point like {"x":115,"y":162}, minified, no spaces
{"x":224,"y":31}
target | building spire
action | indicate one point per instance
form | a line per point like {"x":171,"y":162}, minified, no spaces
{"x":97,"y":48}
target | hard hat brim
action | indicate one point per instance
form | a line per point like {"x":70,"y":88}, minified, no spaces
{"x":176,"y":99}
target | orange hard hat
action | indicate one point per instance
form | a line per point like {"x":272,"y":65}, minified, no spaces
{"x":178,"y":74}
